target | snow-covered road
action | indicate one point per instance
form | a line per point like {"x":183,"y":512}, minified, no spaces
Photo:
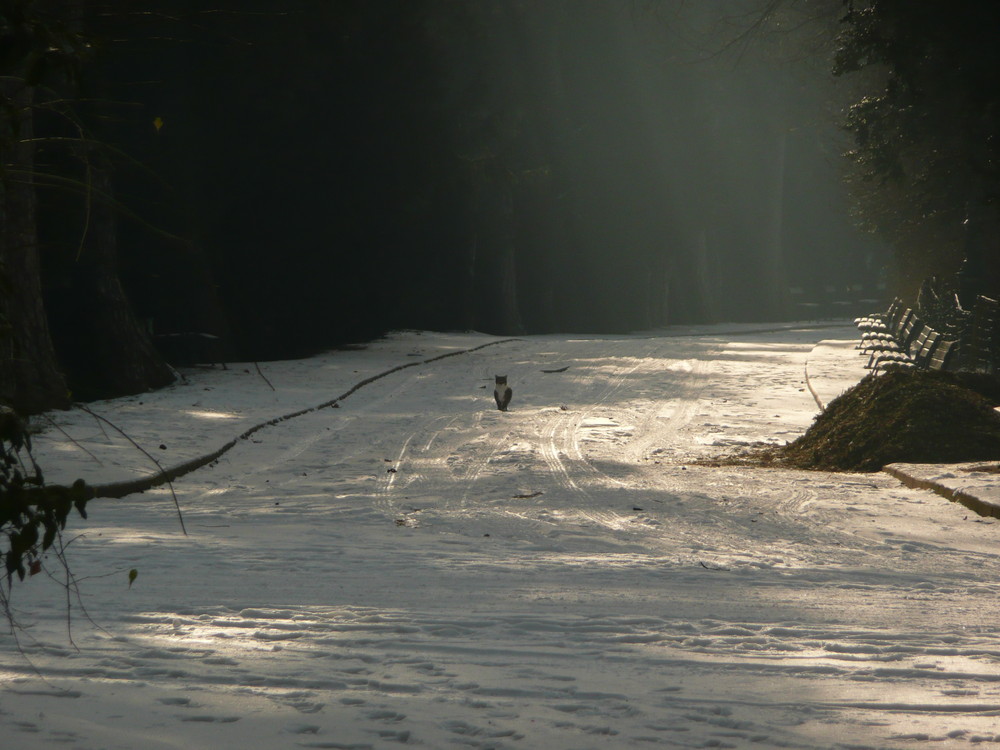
{"x":415,"y":567}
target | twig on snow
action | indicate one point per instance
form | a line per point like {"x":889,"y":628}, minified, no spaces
{"x":148,"y":455}
{"x":72,"y":439}
{"x":709,"y":567}
{"x":263,"y":375}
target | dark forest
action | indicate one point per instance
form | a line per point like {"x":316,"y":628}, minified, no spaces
{"x":289,"y":177}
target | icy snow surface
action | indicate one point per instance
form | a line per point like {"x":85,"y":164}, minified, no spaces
{"x":416,"y":568}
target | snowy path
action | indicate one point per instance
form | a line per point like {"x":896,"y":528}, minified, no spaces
{"x":417,"y":568}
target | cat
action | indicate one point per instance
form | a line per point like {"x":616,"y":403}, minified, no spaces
{"x":502,"y":392}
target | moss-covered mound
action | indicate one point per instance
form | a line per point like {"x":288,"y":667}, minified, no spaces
{"x":908,"y":416}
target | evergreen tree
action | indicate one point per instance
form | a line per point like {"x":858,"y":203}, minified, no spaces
{"x":927,"y":134}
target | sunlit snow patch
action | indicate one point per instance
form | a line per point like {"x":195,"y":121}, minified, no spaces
{"x":212,"y":414}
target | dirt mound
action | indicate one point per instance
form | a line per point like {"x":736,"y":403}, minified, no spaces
{"x":907,"y":416}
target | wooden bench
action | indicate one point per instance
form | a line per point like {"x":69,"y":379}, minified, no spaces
{"x":945,"y":356}
{"x":898,"y":338}
{"x":980,"y":345}
{"x":887,"y":335}
{"x":895,"y":346}
{"x":880,"y":322}
{"x":925,"y":346}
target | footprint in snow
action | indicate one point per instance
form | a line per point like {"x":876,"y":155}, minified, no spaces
{"x":303,"y":729}
{"x":211,"y":719}
{"x":385,"y":715}
{"x":177,"y":701}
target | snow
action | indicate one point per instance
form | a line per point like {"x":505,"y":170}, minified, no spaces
{"x":974,"y":484}
{"x":413,"y":567}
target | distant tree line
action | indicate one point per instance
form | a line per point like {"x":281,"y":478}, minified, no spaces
{"x":293,"y":176}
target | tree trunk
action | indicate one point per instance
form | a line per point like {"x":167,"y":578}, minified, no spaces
{"x":109,"y":352}
{"x":707,"y":279}
{"x":114,"y":349}
{"x":509,"y":308}
{"x":775,"y":282}
{"x":30,"y":379}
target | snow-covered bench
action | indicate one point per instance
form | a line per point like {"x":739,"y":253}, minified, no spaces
{"x":877,"y":324}
{"x":903,"y":340}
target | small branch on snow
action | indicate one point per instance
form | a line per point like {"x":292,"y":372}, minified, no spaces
{"x":263,"y":375}
{"x":73,"y":440}
{"x":709,"y":567}
{"x":146,"y":453}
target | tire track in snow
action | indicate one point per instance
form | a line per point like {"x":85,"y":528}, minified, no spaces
{"x":478,"y":467}
{"x":551,"y":448}
{"x":651,"y":429}
{"x":564,"y":457}
{"x":427,"y":434}
{"x":561,"y":438}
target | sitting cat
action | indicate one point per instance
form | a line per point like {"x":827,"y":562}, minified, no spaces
{"x":502,"y":392}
